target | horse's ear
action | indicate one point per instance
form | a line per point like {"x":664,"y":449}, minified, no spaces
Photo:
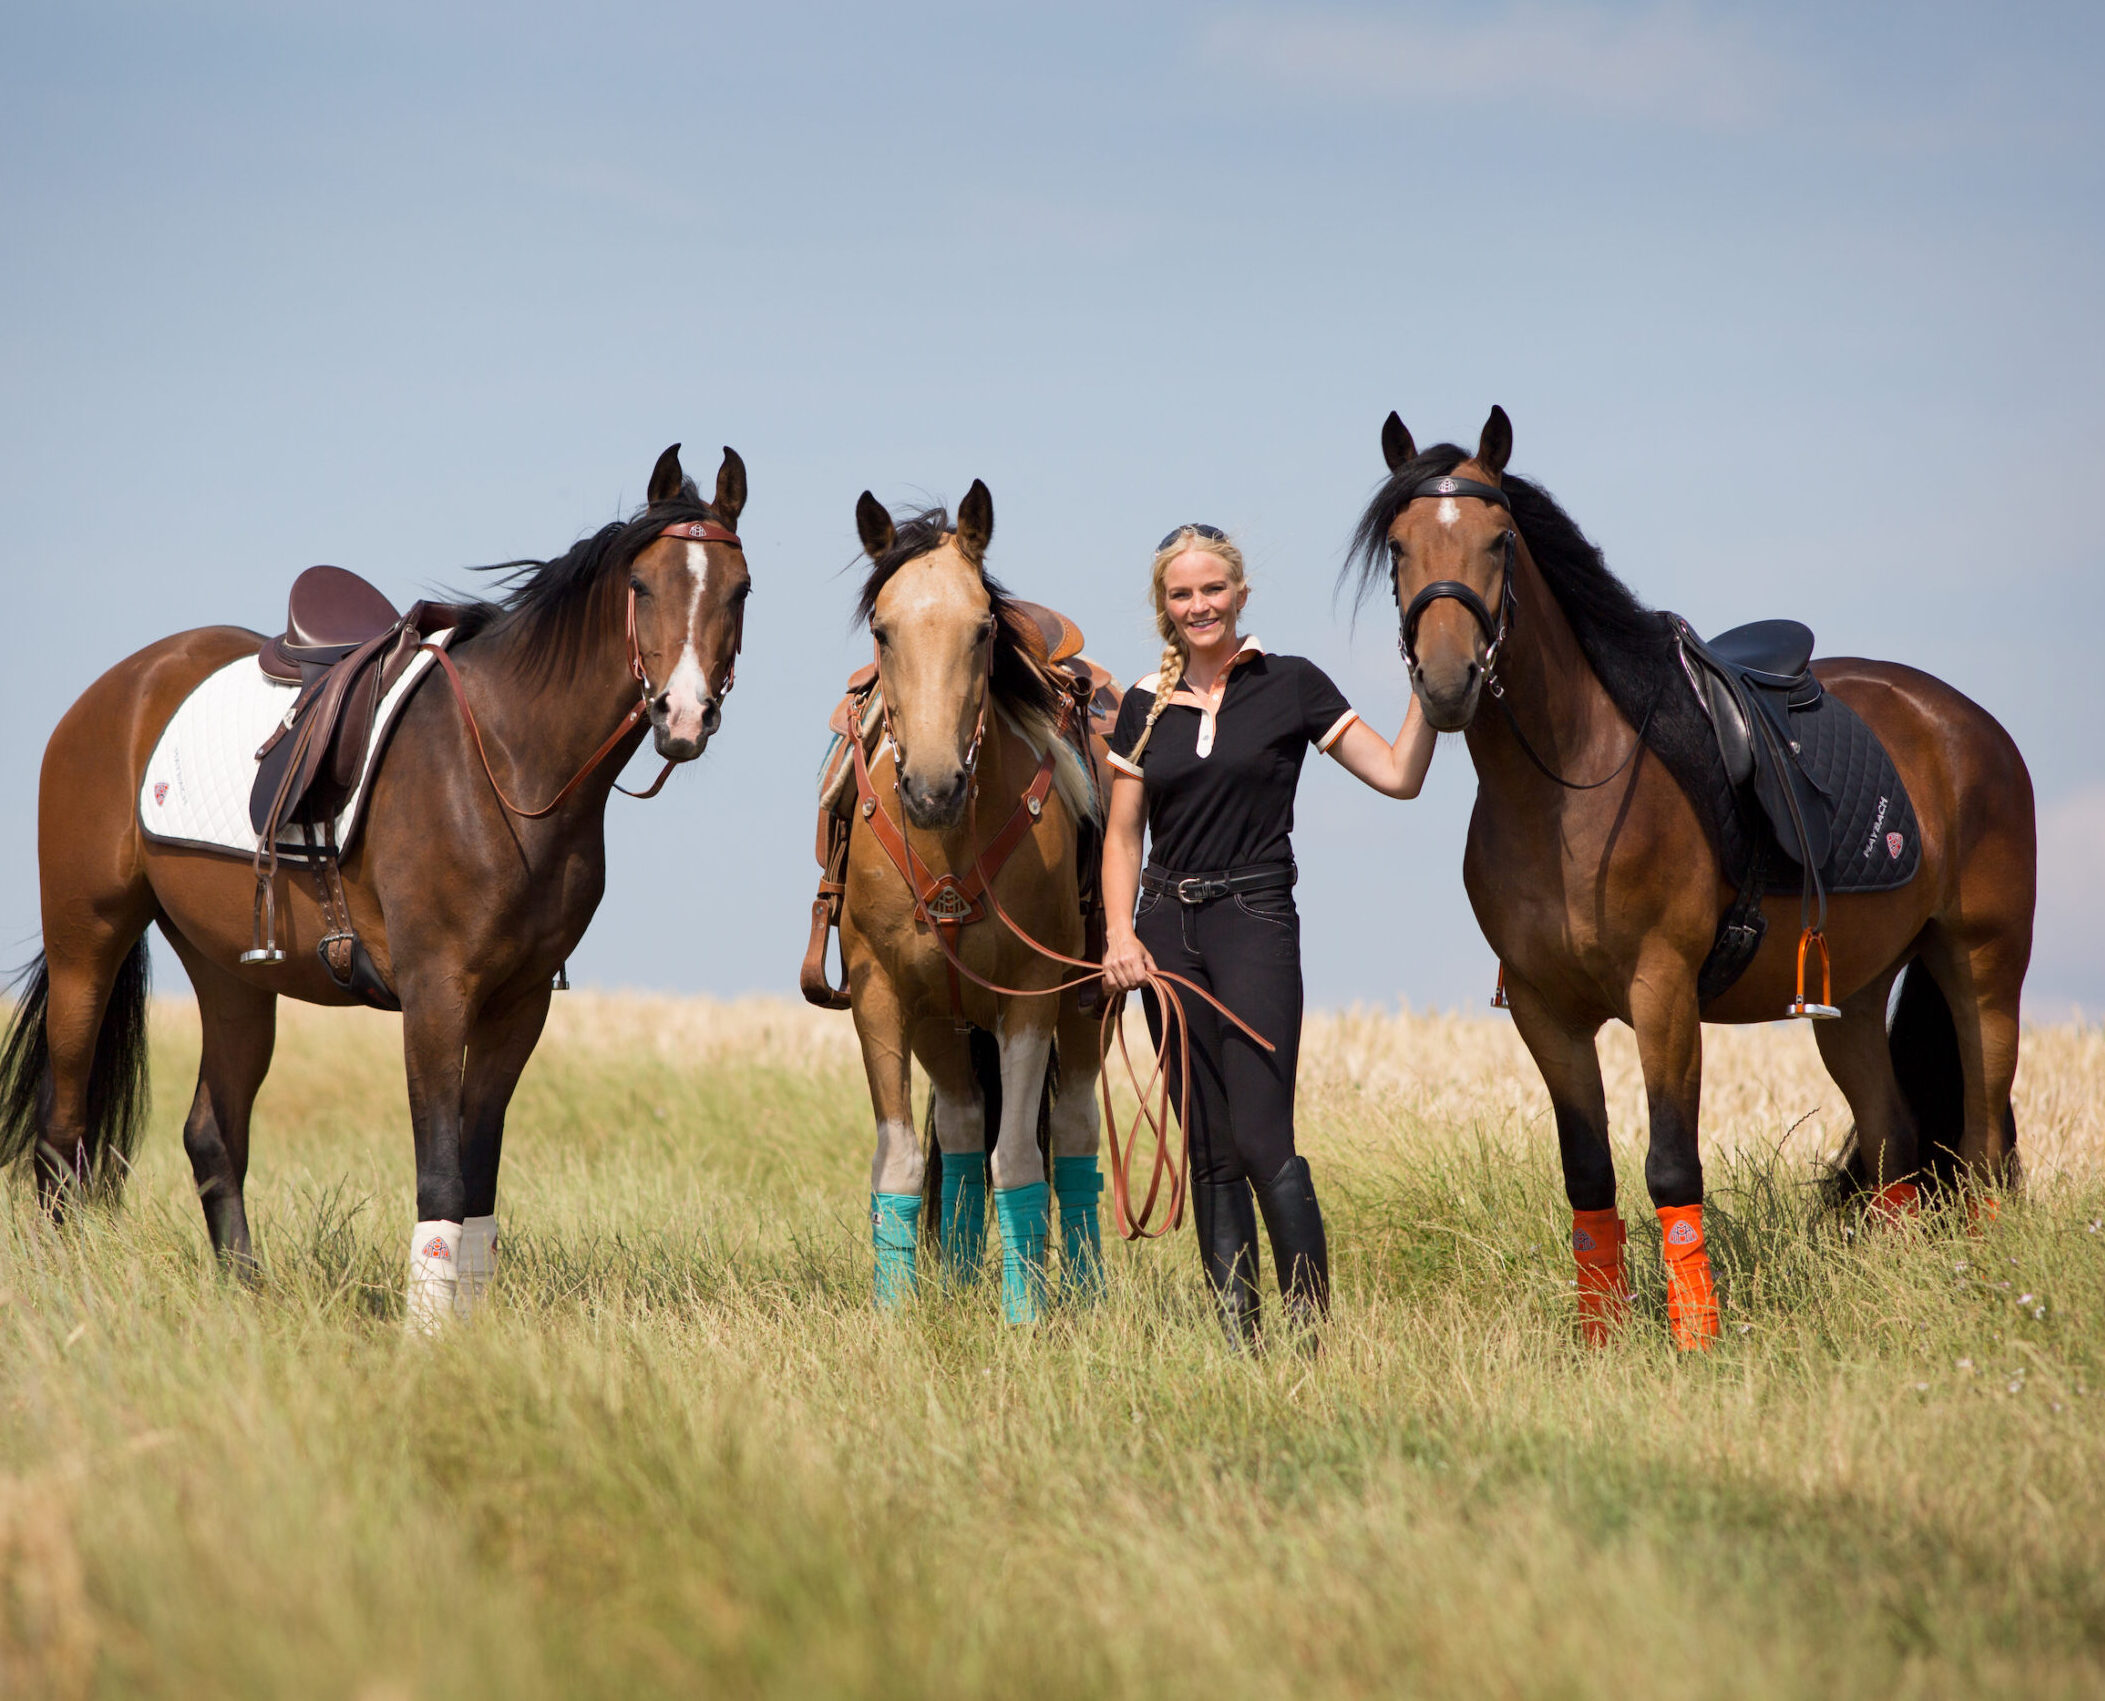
{"x":873,"y":524}
{"x":666,"y":477}
{"x":975,"y":521}
{"x":1495,"y":447}
{"x":1396,"y":445}
{"x":730,"y":488}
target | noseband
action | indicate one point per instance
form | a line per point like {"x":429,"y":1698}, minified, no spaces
{"x":1453,"y":589}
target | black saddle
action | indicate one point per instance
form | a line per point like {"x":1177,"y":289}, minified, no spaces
{"x":1820,"y":806}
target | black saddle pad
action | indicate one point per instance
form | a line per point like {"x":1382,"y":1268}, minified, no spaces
{"x":1876,"y":844}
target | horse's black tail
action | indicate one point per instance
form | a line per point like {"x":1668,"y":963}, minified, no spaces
{"x":117,"y":1081}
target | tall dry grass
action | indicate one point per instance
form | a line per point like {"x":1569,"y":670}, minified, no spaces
{"x":683,"y":1456}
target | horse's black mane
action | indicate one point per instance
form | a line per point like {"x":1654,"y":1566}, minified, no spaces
{"x":545,"y":604}
{"x":1019,"y":682}
{"x":1629,"y":646}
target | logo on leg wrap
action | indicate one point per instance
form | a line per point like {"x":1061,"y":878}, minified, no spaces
{"x":1581,"y":1241}
{"x":436,"y":1248}
{"x":1681,"y":1234}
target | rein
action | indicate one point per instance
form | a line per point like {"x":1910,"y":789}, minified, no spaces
{"x":960,"y":900}
{"x":696,"y":531}
{"x":1495,"y":634}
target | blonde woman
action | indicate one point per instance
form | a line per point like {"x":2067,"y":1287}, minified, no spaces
{"x":1206,"y":757}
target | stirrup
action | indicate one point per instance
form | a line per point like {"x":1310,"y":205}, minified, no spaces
{"x":1824,"y":1011}
{"x":264,"y":924}
{"x":1499,"y":1000}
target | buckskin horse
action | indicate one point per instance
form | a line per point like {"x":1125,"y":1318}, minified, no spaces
{"x":972,"y":803}
{"x":1616,"y":864}
{"x":456,"y":903}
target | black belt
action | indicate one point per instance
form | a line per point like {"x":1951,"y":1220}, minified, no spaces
{"x":1203,"y":888}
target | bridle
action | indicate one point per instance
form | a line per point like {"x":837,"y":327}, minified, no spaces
{"x":692,"y":531}
{"x":1495,"y":632}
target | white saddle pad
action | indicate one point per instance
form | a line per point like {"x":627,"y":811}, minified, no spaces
{"x":197,"y":785}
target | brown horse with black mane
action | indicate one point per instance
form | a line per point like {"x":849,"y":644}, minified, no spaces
{"x":1610,"y":851}
{"x":964,"y":841}
{"x":459,"y":902}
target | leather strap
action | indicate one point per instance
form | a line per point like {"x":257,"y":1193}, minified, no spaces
{"x":1448,"y":485}
{"x":1204,"y":888}
{"x":702,"y":531}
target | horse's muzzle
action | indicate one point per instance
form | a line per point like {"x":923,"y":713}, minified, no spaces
{"x":680,"y":737}
{"x":1450,"y":697}
{"x":935,"y":808}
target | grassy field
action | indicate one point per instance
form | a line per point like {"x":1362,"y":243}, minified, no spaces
{"x":682,"y":1456}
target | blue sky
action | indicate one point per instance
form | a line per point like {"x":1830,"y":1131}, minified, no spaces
{"x":1795,"y":307}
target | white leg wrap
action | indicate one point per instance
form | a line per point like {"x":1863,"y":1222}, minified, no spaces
{"x":434,"y":1275}
{"x":478,"y":1264}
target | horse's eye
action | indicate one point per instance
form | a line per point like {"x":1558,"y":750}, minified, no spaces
{"x":638,"y":587}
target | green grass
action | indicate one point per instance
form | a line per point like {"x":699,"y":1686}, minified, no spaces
{"x":681,"y":1455}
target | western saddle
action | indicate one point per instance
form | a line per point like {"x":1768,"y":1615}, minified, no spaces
{"x":343,"y":647}
{"x":1056,"y":643}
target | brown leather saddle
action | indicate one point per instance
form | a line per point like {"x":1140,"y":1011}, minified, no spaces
{"x":1056,"y":642}
{"x":344,"y":646}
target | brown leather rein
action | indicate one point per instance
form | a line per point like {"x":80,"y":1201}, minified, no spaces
{"x":946,"y":904}
{"x":694,"y":531}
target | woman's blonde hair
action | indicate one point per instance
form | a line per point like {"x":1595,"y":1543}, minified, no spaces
{"x":1186,"y":540}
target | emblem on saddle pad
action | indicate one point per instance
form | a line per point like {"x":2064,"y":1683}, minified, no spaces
{"x":160,"y":793}
{"x":1895,"y":844}
{"x":948,"y":902}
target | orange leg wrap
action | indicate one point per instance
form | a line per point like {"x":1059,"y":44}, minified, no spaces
{"x":1691,"y":1294}
{"x":1604,"y":1282}
{"x":1981,"y":1210}
{"x":1896,"y":1202}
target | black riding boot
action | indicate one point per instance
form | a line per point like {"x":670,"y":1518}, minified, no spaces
{"x":1294,"y":1222}
{"x":1228,"y":1248}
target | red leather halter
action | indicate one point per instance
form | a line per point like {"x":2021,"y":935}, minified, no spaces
{"x":693,"y":531}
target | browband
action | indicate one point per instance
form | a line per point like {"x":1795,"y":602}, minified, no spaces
{"x":1447,"y":485}
{"x":703,"y":531}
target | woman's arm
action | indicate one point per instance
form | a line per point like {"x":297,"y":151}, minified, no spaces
{"x":1394,"y":770}
{"x":1126,"y":960}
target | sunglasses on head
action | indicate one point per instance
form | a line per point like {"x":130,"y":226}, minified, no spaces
{"x":1213,"y":532}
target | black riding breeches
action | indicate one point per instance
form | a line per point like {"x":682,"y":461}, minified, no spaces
{"x":1245,"y":949}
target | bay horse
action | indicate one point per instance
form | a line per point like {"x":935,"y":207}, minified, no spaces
{"x":981,"y":797}
{"x":1597,"y":876}
{"x":467,"y":906}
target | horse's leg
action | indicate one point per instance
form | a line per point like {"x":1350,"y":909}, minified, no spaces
{"x":1565,"y":1052}
{"x":1670,"y":1048}
{"x":1075,"y":1135}
{"x":898,"y":1167}
{"x":435,"y":1028}
{"x":82,"y":962}
{"x":1980,"y":972}
{"x":961,"y":1134}
{"x":1861,"y":1063}
{"x":240,"y":1030}
{"x":498,"y":1047}
{"x":1024,"y":1030}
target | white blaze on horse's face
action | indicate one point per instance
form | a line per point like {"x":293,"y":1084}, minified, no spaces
{"x":934,"y":628}
{"x":685,"y":693}
{"x":1449,"y":511}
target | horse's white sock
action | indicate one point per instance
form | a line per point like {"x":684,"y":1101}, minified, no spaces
{"x":478,"y":1263}
{"x":434,"y":1277}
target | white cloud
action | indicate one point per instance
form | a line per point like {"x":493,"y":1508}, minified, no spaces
{"x":1677,"y":63}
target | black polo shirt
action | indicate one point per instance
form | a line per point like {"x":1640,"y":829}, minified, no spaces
{"x":1220,"y":788}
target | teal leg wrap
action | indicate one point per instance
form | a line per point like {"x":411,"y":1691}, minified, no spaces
{"x":1081,"y":1244}
{"x":895,"y":1228}
{"x":1022,"y":1211}
{"x":964,"y":1214}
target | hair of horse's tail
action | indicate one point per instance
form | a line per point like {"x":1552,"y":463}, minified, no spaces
{"x":117,"y":1081}
{"x":1923,"y":1042}
{"x":985,"y":1053}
